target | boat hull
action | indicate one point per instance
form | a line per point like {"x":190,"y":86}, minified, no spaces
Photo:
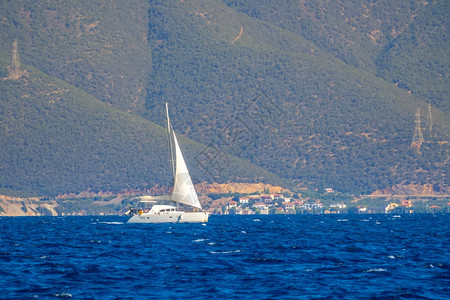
{"x":175,"y":217}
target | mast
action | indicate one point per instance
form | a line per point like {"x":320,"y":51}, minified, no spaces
{"x":183,"y":188}
{"x":169,"y":138}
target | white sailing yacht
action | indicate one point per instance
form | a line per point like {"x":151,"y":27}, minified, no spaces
{"x":183,"y":192}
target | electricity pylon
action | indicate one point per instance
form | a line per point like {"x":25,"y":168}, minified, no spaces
{"x":418,"y":136}
{"x":15,"y":68}
{"x":429,"y":123}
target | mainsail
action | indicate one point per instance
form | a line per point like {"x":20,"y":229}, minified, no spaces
{"x":183,"y":188}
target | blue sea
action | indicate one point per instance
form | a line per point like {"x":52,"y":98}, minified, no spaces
{"x":230,"y":257}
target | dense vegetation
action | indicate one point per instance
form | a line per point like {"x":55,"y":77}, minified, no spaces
{"x":99,"y":47}
{"x":338,"y":123}
{"x":55,"y":139}
{"x":317,"y":93}
{"x":405,"y":42}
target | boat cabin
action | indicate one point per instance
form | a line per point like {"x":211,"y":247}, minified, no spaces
{"x":163,"y":209}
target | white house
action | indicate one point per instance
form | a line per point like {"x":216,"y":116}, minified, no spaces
{"x":244,"y":200}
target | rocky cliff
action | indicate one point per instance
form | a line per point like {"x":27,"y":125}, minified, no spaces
{"x":237,"y":187}
{"x":15,"y":207}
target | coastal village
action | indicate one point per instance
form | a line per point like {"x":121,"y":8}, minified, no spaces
{"x":266,"y":204}
{"x":272,"y":204}
{"x":240,"y":199}
{"x":279,"y":204}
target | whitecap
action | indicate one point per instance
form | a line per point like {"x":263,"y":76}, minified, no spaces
{"x":256,"y":220}
{"x":225,"y":252}
{"x":63,"y":295}
{"x":210,"y":244}
{"x":342,"y":220}
{"x":112,"y":223}
{"x":376,"y":270}
{"x":391,"y":256}
{"x":243,"y":231}
{"x":199,"y":240}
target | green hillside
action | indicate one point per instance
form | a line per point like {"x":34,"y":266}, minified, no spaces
{"x":56,"y":139}
{"x":418,"y":59}
{"x":340,"y":125}
{"x":98,"y":46}
{"x":314,"y":93}
{"x":403,"y":41}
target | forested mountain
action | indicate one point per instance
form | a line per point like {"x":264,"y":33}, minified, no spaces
{"x":100,"y":47}
{"x":58,"y":139}
{"x":405,"y":42}
{"x":317,"y":93}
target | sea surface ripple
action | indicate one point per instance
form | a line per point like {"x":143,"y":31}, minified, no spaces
{"x":237,"y":257}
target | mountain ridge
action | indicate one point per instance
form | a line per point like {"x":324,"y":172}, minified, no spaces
{"x":295,"y":94}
